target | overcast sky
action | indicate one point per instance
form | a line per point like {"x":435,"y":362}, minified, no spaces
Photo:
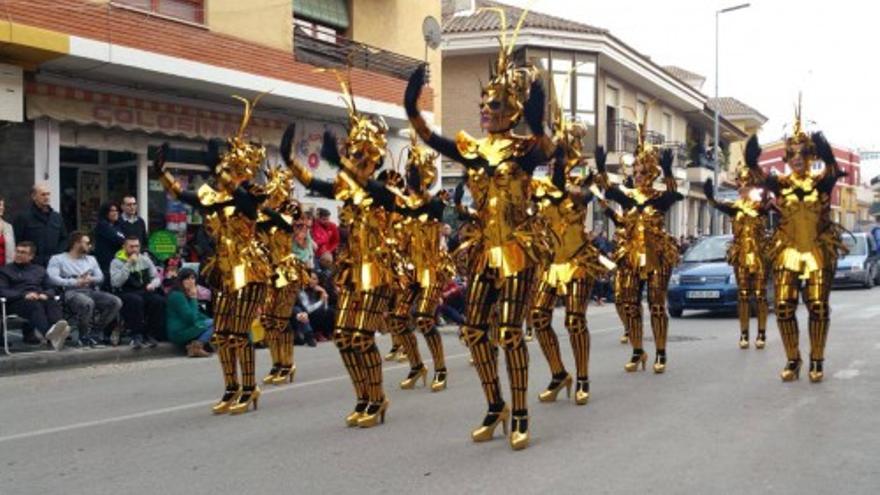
{"x":768,"y":53}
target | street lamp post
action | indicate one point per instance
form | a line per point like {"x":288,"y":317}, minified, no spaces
{"x":716,"y":151}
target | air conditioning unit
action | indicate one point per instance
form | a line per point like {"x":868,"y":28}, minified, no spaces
{"x":11,"y":93}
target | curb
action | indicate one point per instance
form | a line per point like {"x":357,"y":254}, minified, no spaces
{"x":37,"y":361}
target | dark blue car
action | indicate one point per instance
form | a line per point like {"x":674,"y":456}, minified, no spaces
{"x":704,"y":280}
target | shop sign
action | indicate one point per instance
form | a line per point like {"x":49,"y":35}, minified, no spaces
{"x":163,"y":244}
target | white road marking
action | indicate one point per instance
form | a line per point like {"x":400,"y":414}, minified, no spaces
{"x":205,"y":403}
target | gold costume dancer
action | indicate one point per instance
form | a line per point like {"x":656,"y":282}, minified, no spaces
{"x":563,"y":201}
{"x":512,"y":241}
{"x":748,"y":250}
{"x":276,"y":233}
{"x":805,"y":247}
{"x":365,"y":275}
{"x":645,"y":254}
{"x":427,"y":266}
{"x":239,"y":270}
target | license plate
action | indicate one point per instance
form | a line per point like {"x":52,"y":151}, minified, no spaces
{"x":839,"y":276}
{"x":703,"y":294}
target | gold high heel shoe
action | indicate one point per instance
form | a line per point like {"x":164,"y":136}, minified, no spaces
{"x":816,"y":372}
{"x":552,"y":392}
{"x":635,"y":360}
{"x":402,"y":357}
{"x":486,"y":432}
{"x":369,"y":420}
{"x":660,"y":362}
{"x":582,"y":392}
{"x":792,"y":370}
{"x":624,"y":339}
{"x":760,"y":341}
{"x":229,"y":398}
{"x":269,"y":379}
{"x":284,"y":375}
{"x":439,"y":382}
{"x":744,"y":341}
{"x":392,"y":354}
{"x":241,"y":407}
{"x":519,"y":439}
{"x":352,"y":419}
{"x":410,"y":382}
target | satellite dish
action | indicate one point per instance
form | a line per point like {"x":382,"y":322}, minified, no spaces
{"x":431,"y":32}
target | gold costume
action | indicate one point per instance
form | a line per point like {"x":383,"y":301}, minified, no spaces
{"x":506,"y":241}
{"x":365,"y":273}
{"x":425,"y":266}
{"x":645,"y":253}
{"x":805,"y":247}
{"x":747,"y":253}
{"x":239,"y":269}
{"x":563,"y":202}
{"x":290,"y":274}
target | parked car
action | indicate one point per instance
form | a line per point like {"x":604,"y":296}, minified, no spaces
{"x":704,"y":280}
{"x":862,"y":265}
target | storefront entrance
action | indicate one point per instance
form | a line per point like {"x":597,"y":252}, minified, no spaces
{"x":90,"y":177}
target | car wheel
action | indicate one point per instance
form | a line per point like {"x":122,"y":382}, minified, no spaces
{"x":675,"y":312}
{"x":869,"y":280}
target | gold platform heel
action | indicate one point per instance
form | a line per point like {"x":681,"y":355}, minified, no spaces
{"x":370,"y":419}
{"x":493,"y":418}
{"x":519,"y":432}
{"x":352,"y":419}
{"x":245,"y":399}
{"x":744,"y":340}
{"x":414,"y":375}
{"x":285,"y":374}
{"x":660,"y":362}
{"x":624,"y":339}
{"x":269,"y":379}
{"x":556,"y":385}
{"x":439,"y":382}
{"x":230,"y":396}
{"x":402,"y":357}
{"x":582,"y":392}
{"x":392,"y":354}
{"x":792,"y":370}
{"x":640,"y":357}
{"x":816,"y":371}
{"x":761,"y":340}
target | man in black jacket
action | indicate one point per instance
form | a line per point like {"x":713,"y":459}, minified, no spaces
{"x":131,"y":223}
{"x":27,"y":292}
{"x":41,"y":225}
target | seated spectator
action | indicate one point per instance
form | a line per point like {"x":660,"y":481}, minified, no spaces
{"x":326,"y":272}
{"x":185,"y":322}
{"x":325,"y":233}
{"x":136,"y":281}
{"x":311,"y":313}
{"x":303,"y":246}
{"x":27,"y":292}
{"x":7,"y":237}
{"x":108,"y":238}
{"x":41,"y":225}
{"x":79,"y":275}
{"x":132,"y":224}
{"x":452,"y":305}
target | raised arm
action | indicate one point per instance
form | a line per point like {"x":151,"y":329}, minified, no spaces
{"x":377,"y":190}
{"x":722,"y":206}
{"x":302,"y":174}
{"x":542,"y":146}
{"x":832,"y":169}
{"x":439,"y":143}
{"x":170,"y":182}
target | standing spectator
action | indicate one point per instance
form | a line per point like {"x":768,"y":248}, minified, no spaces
{"x":27,"y":292}
{"x":7,"y":237}
{"x":108,"y":238}
{"x":325,"y":233}
{"x":131,"y":223}
{"x":136,"y":280}
{"x":451,"y":307}
{"x":186,"y":323}
{"x":79,"y":275}
{"x":303,"y":246}
{"x":311,"y":311}
{"x":41,"y":225}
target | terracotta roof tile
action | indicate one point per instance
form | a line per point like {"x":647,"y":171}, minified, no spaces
{"x":490,"y":21}
{"x":730,"y":106}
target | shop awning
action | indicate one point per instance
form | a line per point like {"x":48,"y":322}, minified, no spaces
{"x":327,"y":12}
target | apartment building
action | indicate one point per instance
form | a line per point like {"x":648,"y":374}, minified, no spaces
{"x":601,"y":81}
{"x":102,"y":83}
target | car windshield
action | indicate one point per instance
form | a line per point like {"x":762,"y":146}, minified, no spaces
{"x":707,"y":250}
{"x":858,"y":245}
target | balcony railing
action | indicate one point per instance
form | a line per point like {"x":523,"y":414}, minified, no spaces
{"x":345,"y":52}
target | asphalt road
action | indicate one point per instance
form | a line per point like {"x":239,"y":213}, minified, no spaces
{"x":719,"y":421}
